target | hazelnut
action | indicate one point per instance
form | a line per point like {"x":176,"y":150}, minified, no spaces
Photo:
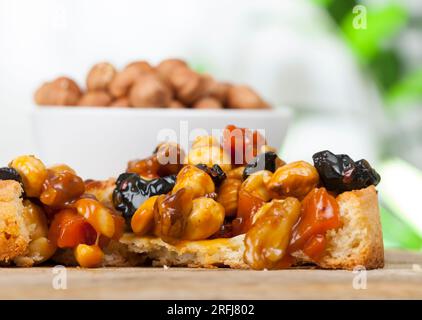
{"x":95,"y":99}
{"x":189,"y":85}
{"x":243,"y":97}
{"x":217,"y":89}
{"x":100,"y":76}
{"x":141,"y":66}
{"x":174,"y":104}
{"x":166,"y":67}
{"x":208,"y":103}
{"x":60,"y":92}
{"x":121,"y":102}
{"x":122,"y":82}
{"x":149,"y":91}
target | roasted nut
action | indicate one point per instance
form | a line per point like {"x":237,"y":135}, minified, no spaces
{"x":60,"y":187}
{"x":60,"y":168}
{"x":295,"y":179}
{"x":39,"y":250}
{"x":35,"y":220}
{"x":141,"y":66}
{"x":100,"y":76}
{"x":95,"y":99}
{"x":217,"y":90}
{"x":243,"y":97}
{"x":60,"y":92}
{"x":228,"y":195}
{"x":205,"y":141}
{"x":171,"y":213}
{"x":170,"y":157}
{"x":121,"y":102}
{"x":204,"y":220}
{"x":174,"y":104}
{"x":88,"y":256}
{"x":196,"y":181}
{"x":166,"y":67}
{"x":189,"y":85}
{"x":149,"y":91}
{"x":33,"y":173}
{"x":143,"y":219}
{"x":236,"y":173}
{"x":210,"y":156}
{"x":123,"y":81}
{"x":256,"y":185}
{"x":208,"y":103}
{"x":267,"y":241}
{"x":97,"y":215}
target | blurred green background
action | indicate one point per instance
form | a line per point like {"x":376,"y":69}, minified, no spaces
{"x":377,"y":48}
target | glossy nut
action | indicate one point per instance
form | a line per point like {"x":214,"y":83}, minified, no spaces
{"x":236,"y":173}
{"x":228,"y":196}
{"x":39,"y":250}
{"x":35,"y":220}
{"x":143,"y":219}
{"x":100,"y":76}
{"x":88,"y":256}
{"x":204,"y":220}
{"x":267,"y":241}
{"x":171,"y":213}
{"x":33,"y":173}
{"x":60,"y":187}
{"x":295,"y":179}
{"x":210,"y":156}
{"x":60,"y":168}
{"x":195,"y":180}
{"x":205,"y":141}
{"x":97,"y":215}
{"x":256,"y":185}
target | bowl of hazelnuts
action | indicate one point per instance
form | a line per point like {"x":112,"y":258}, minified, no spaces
{"x":123,"y":114}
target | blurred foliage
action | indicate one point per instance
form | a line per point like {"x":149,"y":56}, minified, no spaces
{"x":375,"y":46}
{"x":398,"y":234}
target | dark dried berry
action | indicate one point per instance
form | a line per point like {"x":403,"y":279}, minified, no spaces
{"x":215,"y":172}
{"x":340,"y":173}
{"x":264,"y":161}
{"x":7,"y":173}
{"x":132,"y":190}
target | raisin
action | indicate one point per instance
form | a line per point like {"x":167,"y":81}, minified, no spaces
{"x":132,"y":190}
{"x":340,"y":173}
{"x":264,"y":161}
{"x":215,"y":172}
{"x":7,"y":173}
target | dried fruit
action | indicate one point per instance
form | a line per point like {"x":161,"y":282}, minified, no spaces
{"x":7,"y":173}
{"x":340,"y":173}
{"x":319,"y":213}
{"x":132,"y":190}
{"x":264,"y":161}
{"x":215,"y":172}
{"x":242,"y":144}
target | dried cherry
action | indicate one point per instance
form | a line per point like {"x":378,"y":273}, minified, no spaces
{"x":340,"y":173}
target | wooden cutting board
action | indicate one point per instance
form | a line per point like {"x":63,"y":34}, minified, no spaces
{"x":401,"y":278}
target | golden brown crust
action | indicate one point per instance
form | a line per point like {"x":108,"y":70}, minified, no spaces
{"x":14,"y":235}
{"x":359,"y":242}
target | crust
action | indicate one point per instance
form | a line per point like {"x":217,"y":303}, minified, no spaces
{"x":14,"y":236}
{"x":204,"y":253}
{"x":358,"y":243}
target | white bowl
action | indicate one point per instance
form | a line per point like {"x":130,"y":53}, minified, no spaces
{"x":98,"y":142}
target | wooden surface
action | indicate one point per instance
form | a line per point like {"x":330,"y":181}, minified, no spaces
{"x":401,"y":278}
